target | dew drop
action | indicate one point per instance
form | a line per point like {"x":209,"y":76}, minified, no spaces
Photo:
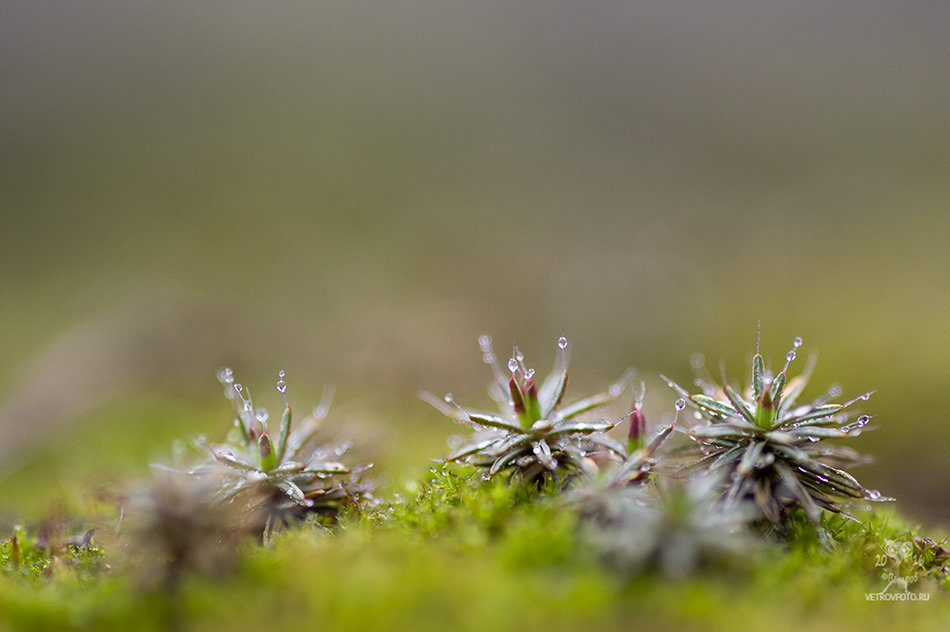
{"x":226,"y":376}
{"x":262,"y":415}
{"x":281,"y":374}
{"x":488,"y":358}
{"x":863,"y":420}
{"x":519,"y":356}
{"x":697,"y":361}
{"x":484,"y":342}
{"x":247,"y":406}
{"x":512,"y":364}
{"x":562,"y":343}
{"x":281,"y":384}
{"x":791,"y":356}
{"x":679,"y":404}
{"x":873,"y":494}
{"x":865,"y":397}
{"x":239,"y":388}
{"x":449,"y":399}
{"x":797,"y":343}
{"x":529,"y":374}
{"x":615,"y":390}
{"x":834,"y":391}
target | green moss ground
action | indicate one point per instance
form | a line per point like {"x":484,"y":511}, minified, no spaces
{"x":463,"y":555}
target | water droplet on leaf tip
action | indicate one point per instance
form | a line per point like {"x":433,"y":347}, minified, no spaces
{"x":512,"y":364}
{"x":791,"y":356}
{"x":866,"y":397}
{"x":529,"y":374}
{"x":680,"y":404}
{"x":562,"y":343}
{"x":239,"y":388}
{"x":449,"y":399}
{"x":484,"y":341}
{"x":488,"y":358}
{"x":797,"y":343}
{"x":615,"y":390}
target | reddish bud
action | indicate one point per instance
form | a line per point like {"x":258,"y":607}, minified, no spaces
{"x":638,"y":426}
{"x":517,"y":399}
{"x":15,"y":551}
{"x":530,"y":389}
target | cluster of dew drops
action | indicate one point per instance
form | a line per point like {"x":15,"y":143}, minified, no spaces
{"x":234,"y":389}
{"x":516,"y":363}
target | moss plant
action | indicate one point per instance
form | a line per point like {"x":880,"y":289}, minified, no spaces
{"x":606,"y":498}
{"x":173,"y":527}
{"x":534,"y":433}
{"x":674,"y":528}
{"x":280,"y":476}
{"x":772,"y":449}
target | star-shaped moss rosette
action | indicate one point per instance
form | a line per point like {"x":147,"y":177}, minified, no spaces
{"x":173,"y":527}
{"x":640,"y":458}
{"x":674,"y":528}
{"x":533,"y":433}
{"x":772,"y":449}
{"x":606,"y":498}
{"x":284,"y":476}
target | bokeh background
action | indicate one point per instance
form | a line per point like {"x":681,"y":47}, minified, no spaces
{"x":354,"y":191}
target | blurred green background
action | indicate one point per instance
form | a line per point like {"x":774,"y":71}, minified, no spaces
{"x":354,"y":191}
